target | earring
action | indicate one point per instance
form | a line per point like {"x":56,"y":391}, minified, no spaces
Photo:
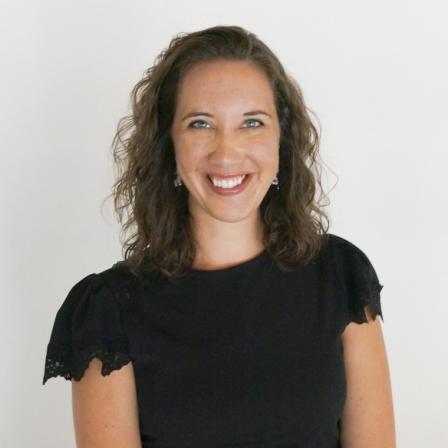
{"x":177,"y":181}
{"x":275,"y":182}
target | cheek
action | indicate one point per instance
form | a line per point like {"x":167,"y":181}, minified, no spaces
{"x":189,"y":154}
{"x":266,"y":154}
{"x":266,"y":142}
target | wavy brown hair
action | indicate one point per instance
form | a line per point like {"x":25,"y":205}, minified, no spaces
{"x":156,"y":214}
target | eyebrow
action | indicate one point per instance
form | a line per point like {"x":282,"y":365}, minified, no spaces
{"x":206,"y":114}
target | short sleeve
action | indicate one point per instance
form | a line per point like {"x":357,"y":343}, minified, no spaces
{"x":87,"y":325}
{"x":360,"y":283}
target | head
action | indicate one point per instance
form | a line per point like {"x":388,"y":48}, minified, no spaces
{"x":225,"y":124}
{"x":216,"y":101}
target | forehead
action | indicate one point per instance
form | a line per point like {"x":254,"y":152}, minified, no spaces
{"x":225,"y":84}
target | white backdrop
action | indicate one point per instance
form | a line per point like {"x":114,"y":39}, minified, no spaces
{"x":375,"y":73}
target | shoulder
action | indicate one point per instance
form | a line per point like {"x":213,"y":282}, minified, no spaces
{"x":116,"y":281}
{"x":91,"y":322}
{"x":112,"y":284}
{"x":358,"y":279}
{"x":349,"y":259}
{"x":343,"y":248}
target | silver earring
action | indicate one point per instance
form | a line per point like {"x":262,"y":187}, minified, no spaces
{"x":275,"y":182}
{"x":177,"y":181}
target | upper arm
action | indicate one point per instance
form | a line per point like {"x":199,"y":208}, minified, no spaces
{"x":368,"y":418}
{"x":105,"y":410}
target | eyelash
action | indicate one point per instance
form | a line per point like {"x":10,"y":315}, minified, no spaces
{"x":203,"y":121}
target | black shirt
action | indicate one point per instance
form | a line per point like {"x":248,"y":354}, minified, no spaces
{"x":246,"y":356}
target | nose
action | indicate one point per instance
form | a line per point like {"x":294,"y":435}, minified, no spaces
{"x":227,"y":150}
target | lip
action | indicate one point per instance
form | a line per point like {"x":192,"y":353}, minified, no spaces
{"x":230,"y":191}
{"x":226,"y":176}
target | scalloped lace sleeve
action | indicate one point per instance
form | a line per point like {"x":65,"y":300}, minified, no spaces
{"x":359,"y":281}
{"x":87,"y":325}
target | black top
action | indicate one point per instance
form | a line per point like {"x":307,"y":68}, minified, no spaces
{"x":246,"y":356}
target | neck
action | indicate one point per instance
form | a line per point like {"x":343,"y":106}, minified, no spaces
{"x":224,"y":244}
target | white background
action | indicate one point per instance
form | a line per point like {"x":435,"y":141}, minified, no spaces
{"x":375,"y":73}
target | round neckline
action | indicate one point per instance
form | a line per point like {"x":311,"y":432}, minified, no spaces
{"x":243,"y":266}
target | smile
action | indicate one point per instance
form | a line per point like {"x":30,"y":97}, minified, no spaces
{"x":228,"y":185}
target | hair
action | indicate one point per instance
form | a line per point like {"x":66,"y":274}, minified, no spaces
{"x":156,"y":213}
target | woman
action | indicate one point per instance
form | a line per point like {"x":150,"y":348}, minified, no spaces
{"x":235,"y":318}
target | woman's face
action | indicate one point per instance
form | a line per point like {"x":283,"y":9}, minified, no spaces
{"x":226,"y":124}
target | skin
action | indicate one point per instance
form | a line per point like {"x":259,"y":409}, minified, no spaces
{"x":105,"y":410}
{"x":227,"y":228}
{"x":368,"y":416}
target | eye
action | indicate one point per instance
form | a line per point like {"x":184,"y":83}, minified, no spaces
{"x":257,"y":121}
{"x":191,"y":125}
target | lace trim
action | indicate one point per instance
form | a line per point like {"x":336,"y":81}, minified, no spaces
{"x":370,"y":295}
{"x":62,"y":361}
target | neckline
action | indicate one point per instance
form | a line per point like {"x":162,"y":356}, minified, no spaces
{"x":240,"y":267}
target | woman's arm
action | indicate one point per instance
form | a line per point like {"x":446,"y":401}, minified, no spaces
{"x":105,"y":411}
{"x":368,"y":416}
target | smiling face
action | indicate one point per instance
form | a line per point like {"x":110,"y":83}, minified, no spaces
{"x":226,"y":124}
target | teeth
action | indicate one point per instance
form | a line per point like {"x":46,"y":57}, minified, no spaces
{"x":227,"y":183}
